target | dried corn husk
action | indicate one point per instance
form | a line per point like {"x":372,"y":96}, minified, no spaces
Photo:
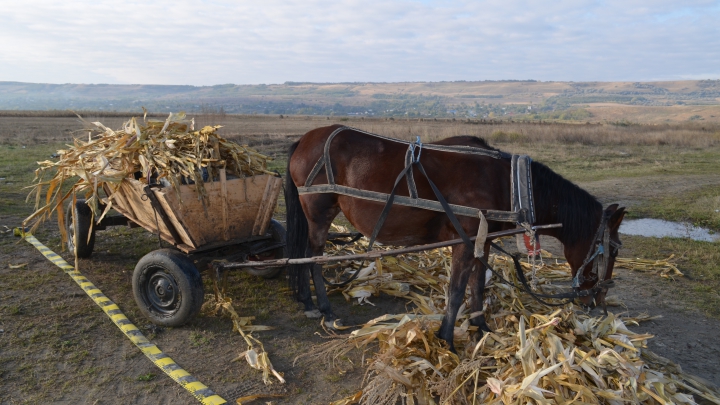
{"x":172,"y":150}
{"x":255,"y":355}
{"x":664,"y":268}
{"x":536,"y":354}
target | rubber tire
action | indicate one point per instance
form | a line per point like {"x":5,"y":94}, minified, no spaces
{"x":78,"y":223}
{"x":170,"y":267}
{"x":278,"y":233}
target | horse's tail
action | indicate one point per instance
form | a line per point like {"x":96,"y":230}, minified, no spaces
{"x":297,"y":229}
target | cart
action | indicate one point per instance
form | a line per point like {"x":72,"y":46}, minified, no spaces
{"x":235,"y":224}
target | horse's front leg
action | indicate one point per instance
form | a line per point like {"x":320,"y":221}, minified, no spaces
{"x":477,"y":288}
{"x":463,"y":263}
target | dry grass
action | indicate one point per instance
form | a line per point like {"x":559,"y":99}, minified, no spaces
{"x":270,"y":130}
{"x":504,"y":132}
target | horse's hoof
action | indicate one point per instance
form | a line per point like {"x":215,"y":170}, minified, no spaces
{"x":313,"y":314}
{"x":336,"y":324}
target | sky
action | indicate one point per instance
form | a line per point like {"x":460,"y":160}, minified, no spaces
{"x":268,"y":41}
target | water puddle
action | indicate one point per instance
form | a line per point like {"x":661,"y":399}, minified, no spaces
{"x":658,"y":228}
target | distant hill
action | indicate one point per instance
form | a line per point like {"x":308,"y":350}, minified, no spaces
{"x":482,"y":99}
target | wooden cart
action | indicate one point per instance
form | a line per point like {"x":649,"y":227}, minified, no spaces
{"x":235,"y":224}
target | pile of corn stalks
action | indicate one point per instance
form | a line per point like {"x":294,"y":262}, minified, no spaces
{"x":172,"y":150}
{"x":536,"y":354}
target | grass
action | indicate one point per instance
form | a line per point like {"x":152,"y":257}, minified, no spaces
{"x":198,"y":338}
{"x":700,"y":207}
{"x":17,"y":168}
{"x":590,"y":163}
{"x":146,"y":377}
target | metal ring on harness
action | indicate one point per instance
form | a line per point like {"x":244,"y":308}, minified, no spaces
{"x":417,"y":145}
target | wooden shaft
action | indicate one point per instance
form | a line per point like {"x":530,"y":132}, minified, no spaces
{"x":374,"y":254}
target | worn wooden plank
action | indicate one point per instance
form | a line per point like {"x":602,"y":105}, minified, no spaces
{"x":267,"y":205}
{"x":243,"y":200}
{"x":141,"y":210}
{"x":122,"y":205}
{"x":172,"y":213}
{"x":223,"y":196}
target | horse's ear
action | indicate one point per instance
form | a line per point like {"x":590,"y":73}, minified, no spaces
{"x":617,"y":217}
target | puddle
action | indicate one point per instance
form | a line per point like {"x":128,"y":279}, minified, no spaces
{"x":658,"y":228}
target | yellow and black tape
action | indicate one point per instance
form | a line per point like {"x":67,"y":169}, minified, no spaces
{"x":199,"y":390}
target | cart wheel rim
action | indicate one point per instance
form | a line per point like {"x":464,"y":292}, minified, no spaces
{"x":162,"y":293}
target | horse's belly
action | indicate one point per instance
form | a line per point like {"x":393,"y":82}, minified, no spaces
{"x":403,"y":226}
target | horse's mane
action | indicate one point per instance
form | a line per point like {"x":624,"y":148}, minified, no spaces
{"x":574,"y":203}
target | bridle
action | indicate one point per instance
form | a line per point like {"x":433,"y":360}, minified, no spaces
{"x":599,"y":256}
{"x":601,"y":250}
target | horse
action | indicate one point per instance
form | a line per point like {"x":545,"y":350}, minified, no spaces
{"x":366,"y":162}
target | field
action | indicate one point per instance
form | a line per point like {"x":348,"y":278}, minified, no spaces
{"x":56,"y":346}
{"x":646,"y":102}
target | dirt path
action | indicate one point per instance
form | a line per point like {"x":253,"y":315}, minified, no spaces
{"x":681,"y":334}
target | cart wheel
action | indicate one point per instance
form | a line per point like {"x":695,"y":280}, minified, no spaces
{"x":167,"y":287}
{"x":278,"y":235}
{"x":78,"y":222}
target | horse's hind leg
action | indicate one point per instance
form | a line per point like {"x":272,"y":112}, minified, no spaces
{"x":463,"y":264}
{"x":319,"y":219}
{"x":477,"y":288}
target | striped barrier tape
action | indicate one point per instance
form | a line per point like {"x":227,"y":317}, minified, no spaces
{"x":199,"y":390}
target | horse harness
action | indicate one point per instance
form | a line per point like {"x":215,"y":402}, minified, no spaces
{"x":522,"y":214}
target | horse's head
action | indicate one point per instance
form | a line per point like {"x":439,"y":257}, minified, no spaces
{"x":595,"y":272}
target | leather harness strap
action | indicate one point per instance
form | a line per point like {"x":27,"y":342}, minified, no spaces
{"x":491,"y":215}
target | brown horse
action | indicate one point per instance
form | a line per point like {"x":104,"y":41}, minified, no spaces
{"x":362,"y":161}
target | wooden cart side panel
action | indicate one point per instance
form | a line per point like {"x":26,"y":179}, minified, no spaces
{"x":172,"y":213}
{"x":131,"y":204}
{"x":267,"y":206}
{"x":142,"y":208}
{"x":244,"y":197}
{"x":121,"y":204}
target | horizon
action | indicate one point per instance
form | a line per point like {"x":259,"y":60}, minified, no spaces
{"x":294,"y":83}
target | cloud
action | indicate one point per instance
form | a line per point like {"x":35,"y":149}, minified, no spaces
{"x":213,"y":42}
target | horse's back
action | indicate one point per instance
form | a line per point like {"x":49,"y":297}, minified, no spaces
{"x":369,"y":162}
